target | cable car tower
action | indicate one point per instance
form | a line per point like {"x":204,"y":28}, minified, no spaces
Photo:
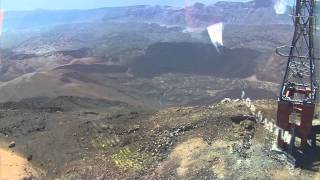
{"x":299,"y":90}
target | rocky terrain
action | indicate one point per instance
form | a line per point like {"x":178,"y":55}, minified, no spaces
{"x":81,"y":138}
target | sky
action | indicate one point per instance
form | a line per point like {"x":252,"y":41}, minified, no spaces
{"x":89,"y":4}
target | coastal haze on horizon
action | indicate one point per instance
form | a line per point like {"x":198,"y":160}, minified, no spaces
{"x":20,"y":5}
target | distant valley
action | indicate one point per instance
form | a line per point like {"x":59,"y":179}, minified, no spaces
{"x":157,"y":55}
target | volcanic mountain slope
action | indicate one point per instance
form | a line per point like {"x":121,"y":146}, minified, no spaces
{"x":116,"y":43}
{"x":264,"y":38}
{"x":97,"y":56}
{"x":114,"y":83}
{"x":169,"y":73}
{"x":252,"y":12}
{"x":196,"y":58}
{"x":81,"y":138}
{"x":20,"y":26}
{"x":143,"y":42}
{"x":124,"y":42}
{"x":63,"y":82}
{"x":104,"y":39}
{"x":272,"y":68}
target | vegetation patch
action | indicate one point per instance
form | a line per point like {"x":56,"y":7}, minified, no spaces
{"x":128,"y":159}
{"x":105,"y":143}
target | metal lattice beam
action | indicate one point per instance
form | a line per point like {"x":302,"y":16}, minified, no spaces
{"x":300,"y":69}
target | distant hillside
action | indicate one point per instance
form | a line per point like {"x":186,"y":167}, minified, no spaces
{"x":122,"y":43}
{"x":196,"y":58}
{"x":253,"y":12}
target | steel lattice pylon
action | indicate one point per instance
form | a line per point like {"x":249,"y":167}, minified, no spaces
{"x":301,"y":59}
{"x":299,"y":89}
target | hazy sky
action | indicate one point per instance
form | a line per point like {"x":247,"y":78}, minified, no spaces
{"x":87,"y":4}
